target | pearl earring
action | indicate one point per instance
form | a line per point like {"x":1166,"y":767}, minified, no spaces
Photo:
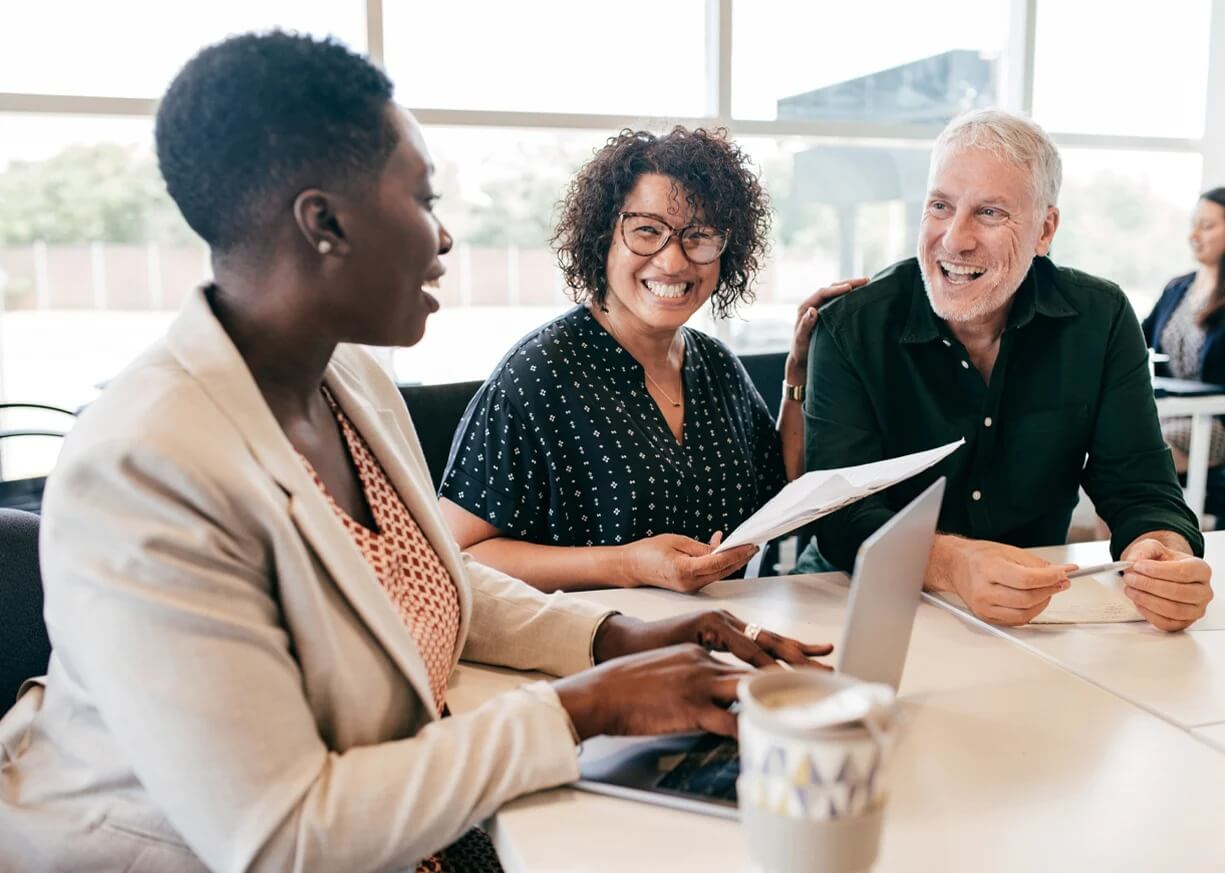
{"x":324,"y":247}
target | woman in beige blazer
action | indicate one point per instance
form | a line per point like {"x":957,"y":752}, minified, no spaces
{"x":234,"y":684}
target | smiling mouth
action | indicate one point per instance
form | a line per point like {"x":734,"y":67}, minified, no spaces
{"x":959,"y":274}
{"x":667,"y":290}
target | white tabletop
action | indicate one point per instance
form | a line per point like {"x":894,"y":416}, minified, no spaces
{"x":1213,"y":733}
{"x":1180,"y":677}
{"x":1010,"y":762}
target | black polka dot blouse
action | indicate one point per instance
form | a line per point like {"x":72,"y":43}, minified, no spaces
{"x":563,"y":445}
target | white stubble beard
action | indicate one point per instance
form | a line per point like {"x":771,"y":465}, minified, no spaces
{"x":987,"y":302}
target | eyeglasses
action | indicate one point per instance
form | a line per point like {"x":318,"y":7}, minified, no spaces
{"x":646,"y":234}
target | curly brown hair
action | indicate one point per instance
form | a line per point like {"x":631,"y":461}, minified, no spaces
{"x":717,"y":182}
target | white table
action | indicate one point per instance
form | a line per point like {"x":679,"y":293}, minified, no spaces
{"x":1214,"y":734}
{"x":1010,"y":762}
{"x":1179,"y":677}
{"x":1201,"y":410}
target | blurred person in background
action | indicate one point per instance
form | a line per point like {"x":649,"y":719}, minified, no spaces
{"x":1188,"y":324}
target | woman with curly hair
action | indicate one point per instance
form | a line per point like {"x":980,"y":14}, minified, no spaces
{"x":614,"y":445}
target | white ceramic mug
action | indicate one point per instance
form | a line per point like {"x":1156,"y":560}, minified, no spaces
{"x":811,"y":798}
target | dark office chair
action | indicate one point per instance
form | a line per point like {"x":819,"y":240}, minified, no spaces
{"x":24,"y":645}
{"x":766,"y":373}
{"x":27,"y":493}
{"x":436,"y":411}
{"x":1214,"y":496}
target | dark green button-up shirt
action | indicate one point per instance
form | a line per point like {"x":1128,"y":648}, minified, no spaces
{"x":1069,"y":403}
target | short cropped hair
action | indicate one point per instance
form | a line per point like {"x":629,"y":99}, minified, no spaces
{"x":1010,"y":137}
{"x":716,"y":180}
{"x":254,"y":120}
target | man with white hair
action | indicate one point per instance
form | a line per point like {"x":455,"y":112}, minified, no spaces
{"x":1038,"y":366}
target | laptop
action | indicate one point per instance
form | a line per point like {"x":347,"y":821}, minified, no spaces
{"x":1165,"y":386}
{"x":698,"y":772}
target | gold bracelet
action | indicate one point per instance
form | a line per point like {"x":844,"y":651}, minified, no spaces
{"x":793,"y":392}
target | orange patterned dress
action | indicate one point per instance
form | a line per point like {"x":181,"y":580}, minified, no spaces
{"x":424,"y":594}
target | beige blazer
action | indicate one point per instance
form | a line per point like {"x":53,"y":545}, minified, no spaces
{"x":230,"y":688}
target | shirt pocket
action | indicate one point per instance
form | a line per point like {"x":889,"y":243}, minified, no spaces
{"x":1043,"y":454}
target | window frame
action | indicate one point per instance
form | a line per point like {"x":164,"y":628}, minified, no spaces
{"x":1015,"y":93}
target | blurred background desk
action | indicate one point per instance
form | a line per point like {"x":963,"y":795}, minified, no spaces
{"x":1010,"y":761}
{"x":1201,"y":410}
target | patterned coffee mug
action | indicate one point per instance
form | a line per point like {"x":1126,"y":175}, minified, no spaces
{"x":811,"y":798}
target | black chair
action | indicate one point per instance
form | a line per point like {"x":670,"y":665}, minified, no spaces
{"x":27,"y":494}
{"x":436,"y":411}
{"x":24,"y":645}
{"x":1214,"y":496}
{"x":766,"y":373}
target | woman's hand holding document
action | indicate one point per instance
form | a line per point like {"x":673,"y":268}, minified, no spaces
{"x":821,"y":492}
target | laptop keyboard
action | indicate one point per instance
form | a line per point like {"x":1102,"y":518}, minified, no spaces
{"x":709,"y":769}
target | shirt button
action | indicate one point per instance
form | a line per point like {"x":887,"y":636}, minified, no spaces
{"x":947,"y":343}
{"x":987,"y":421}
{"x":976,"y":495}
{"x":965,"y":364}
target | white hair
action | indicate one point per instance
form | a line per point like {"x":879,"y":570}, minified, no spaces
{"x":1009,"y":137}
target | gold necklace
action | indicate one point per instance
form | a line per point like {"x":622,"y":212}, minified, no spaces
{"x":675,"y":403}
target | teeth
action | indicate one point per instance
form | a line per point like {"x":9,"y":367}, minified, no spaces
{"x":959,"y":270}
{"x":430,"y":283}
{"x":659,"y":289}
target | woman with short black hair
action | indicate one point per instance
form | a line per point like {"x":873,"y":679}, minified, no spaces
{"x":253,"y":601}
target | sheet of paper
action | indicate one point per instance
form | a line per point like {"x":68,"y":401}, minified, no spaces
{"x":1091,"y":600}
{"x":824,"y":491}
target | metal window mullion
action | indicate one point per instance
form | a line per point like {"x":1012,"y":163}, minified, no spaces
{"x":59,"y":104}
{"x":719,"y":60}
{"x":374,"y":31}
{"x":1017,"y":91}
{"x":1214,"y":119}
{"x":1126,"y":143}
{"x":72,"y":104}
{"x":581,"y":121}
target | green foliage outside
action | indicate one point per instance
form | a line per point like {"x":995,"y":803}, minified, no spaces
{"x":1113,"y":226}
{"x":106,"y":193}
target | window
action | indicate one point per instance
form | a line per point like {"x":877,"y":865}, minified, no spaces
{"x":841,"y":209}
{"x":1099,"y":69}
{"x":500,"y":191}
{"x":1126,"y":216}
{"x":875,"y":61}
{"x":133,"y":48}
{"x":549,"y":56}
{"x":94,"y":259}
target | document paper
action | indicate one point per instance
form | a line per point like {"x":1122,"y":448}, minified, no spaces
{"x":824,"y":491}
{"x":1090,"y":600}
